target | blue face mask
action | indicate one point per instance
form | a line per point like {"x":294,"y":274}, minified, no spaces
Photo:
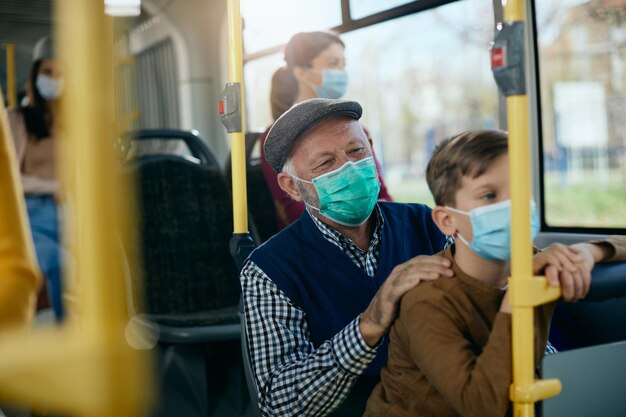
{"x":491,"y":228}
{"x":348,"y":194}
{"x":334,"y":84}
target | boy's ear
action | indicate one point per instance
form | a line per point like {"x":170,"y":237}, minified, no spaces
{"x":443,"y":220}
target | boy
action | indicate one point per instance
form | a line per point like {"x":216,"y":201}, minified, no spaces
{"x":456,"y":359}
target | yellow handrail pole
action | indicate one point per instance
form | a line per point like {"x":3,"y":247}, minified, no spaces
{"x":89,"y":132}
{"x":521,"y":254}
{"x":100,"y":216}
{"x":526,"y":291}
{"x":85,"y":367}
{"x":238,"y":141}
{"x":11,"y":90}
{"x":19,"y":275}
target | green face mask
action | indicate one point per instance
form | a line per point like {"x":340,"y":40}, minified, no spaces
{"x":348,"y":194}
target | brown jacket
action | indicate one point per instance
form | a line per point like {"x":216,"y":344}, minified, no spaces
{"x":450,"y":349}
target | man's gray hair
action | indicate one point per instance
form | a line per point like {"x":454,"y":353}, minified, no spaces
{"x":288,"y":167}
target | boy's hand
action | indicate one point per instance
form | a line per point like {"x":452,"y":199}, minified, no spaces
{"x":568,"y":266}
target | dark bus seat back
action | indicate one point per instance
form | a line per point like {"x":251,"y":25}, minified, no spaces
{"x":185,"y":224}
{"x":599,"y":318}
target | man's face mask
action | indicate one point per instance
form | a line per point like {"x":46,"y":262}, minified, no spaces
{"x":491,"y":228}
{"x":348,"y":194}
{"x":49,"y":88}
{"x":334,"y":84}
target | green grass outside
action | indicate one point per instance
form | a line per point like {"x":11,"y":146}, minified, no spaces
{"x":588,"y":203}
{"x":585,"y":204}
{"x":411,"y":190}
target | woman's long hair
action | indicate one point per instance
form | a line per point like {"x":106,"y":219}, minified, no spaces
{"x":301,"y":49}
{"x":37,"y":113}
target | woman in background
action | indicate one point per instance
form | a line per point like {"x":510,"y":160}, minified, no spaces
{"x":315,"y":67}
{"x":35,"y":128}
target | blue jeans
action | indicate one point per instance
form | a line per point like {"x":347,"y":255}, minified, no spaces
{"x":44,"y":226}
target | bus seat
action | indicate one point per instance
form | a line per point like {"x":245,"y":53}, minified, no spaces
{"x":260,"y":202}
{"x":185,"y":218}
{"x":593,"y":382}
{"x":189,"y":281}
{"x":599,"y":318}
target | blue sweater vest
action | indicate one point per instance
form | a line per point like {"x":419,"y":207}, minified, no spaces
{"x":327,"y":285}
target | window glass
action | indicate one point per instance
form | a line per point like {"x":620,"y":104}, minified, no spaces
{"x":582,"y":64}
{"x":269,"y":23}
{"x":258,"y":78}
{"x":363,"y":8}
{"x":415,"y":92}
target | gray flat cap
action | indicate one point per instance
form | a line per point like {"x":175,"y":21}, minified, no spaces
{"x":297,"y":120}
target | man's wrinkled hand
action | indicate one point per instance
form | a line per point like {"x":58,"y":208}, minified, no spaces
{"x":377,"y":319}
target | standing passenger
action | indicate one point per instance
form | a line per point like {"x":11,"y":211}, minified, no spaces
{"x":35,"y":131}
{"x":315,"y":69}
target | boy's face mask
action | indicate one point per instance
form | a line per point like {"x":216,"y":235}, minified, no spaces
{"x":491,"y":228}
{"x":334,"y":84}
{"x":348,"y":194}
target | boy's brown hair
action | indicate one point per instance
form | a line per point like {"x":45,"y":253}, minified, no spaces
{"x":469,"y":154}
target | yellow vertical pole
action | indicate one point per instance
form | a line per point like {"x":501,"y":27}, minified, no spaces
{"x":521,"y":252}
{"x":526,"y":291}
{"x":238,"y":142}
{"x":11,"y":90}
{"x":89,"y":132}
{"x":103,"y":215}
{"x":86,"y":367}
{"x":19,"y":275}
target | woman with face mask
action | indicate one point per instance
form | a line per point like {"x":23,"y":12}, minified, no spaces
{"x":35,"y":130}
{"x":315,"y":68}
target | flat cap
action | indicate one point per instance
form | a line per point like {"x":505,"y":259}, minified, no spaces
{"x":297,"y":120}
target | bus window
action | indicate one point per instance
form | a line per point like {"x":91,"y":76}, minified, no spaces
{"x":270,"y":23}
{"x":416,"y":92}
{"x":582,"y":74}
{"x":258,"y":75}
{"x":363,"y":8}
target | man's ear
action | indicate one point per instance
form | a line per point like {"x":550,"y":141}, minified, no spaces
{"x":444,"y":221}
{"x":288,"y":185}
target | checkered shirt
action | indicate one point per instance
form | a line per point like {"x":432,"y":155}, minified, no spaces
{"x":292,"y":377}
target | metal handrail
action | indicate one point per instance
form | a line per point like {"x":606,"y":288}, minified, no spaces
{"x":526,"y":291}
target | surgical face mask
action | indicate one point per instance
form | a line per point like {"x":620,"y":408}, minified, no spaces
{"x":334,"y":84}
{"x":491,"y":228}
{"x":49,"y":88}
{"x":348,"y":194}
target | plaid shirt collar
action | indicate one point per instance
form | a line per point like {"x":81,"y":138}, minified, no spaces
{"x":344,"y":243}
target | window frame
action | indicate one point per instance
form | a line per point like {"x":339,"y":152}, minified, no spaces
{"x":536,"y":104}
{"x":348,"y":24}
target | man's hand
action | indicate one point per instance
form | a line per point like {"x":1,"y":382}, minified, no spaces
{"x":376,"y":320}
{"x":569,"y":266}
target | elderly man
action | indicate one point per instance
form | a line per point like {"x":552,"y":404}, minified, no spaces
{"x":320,"y":296}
